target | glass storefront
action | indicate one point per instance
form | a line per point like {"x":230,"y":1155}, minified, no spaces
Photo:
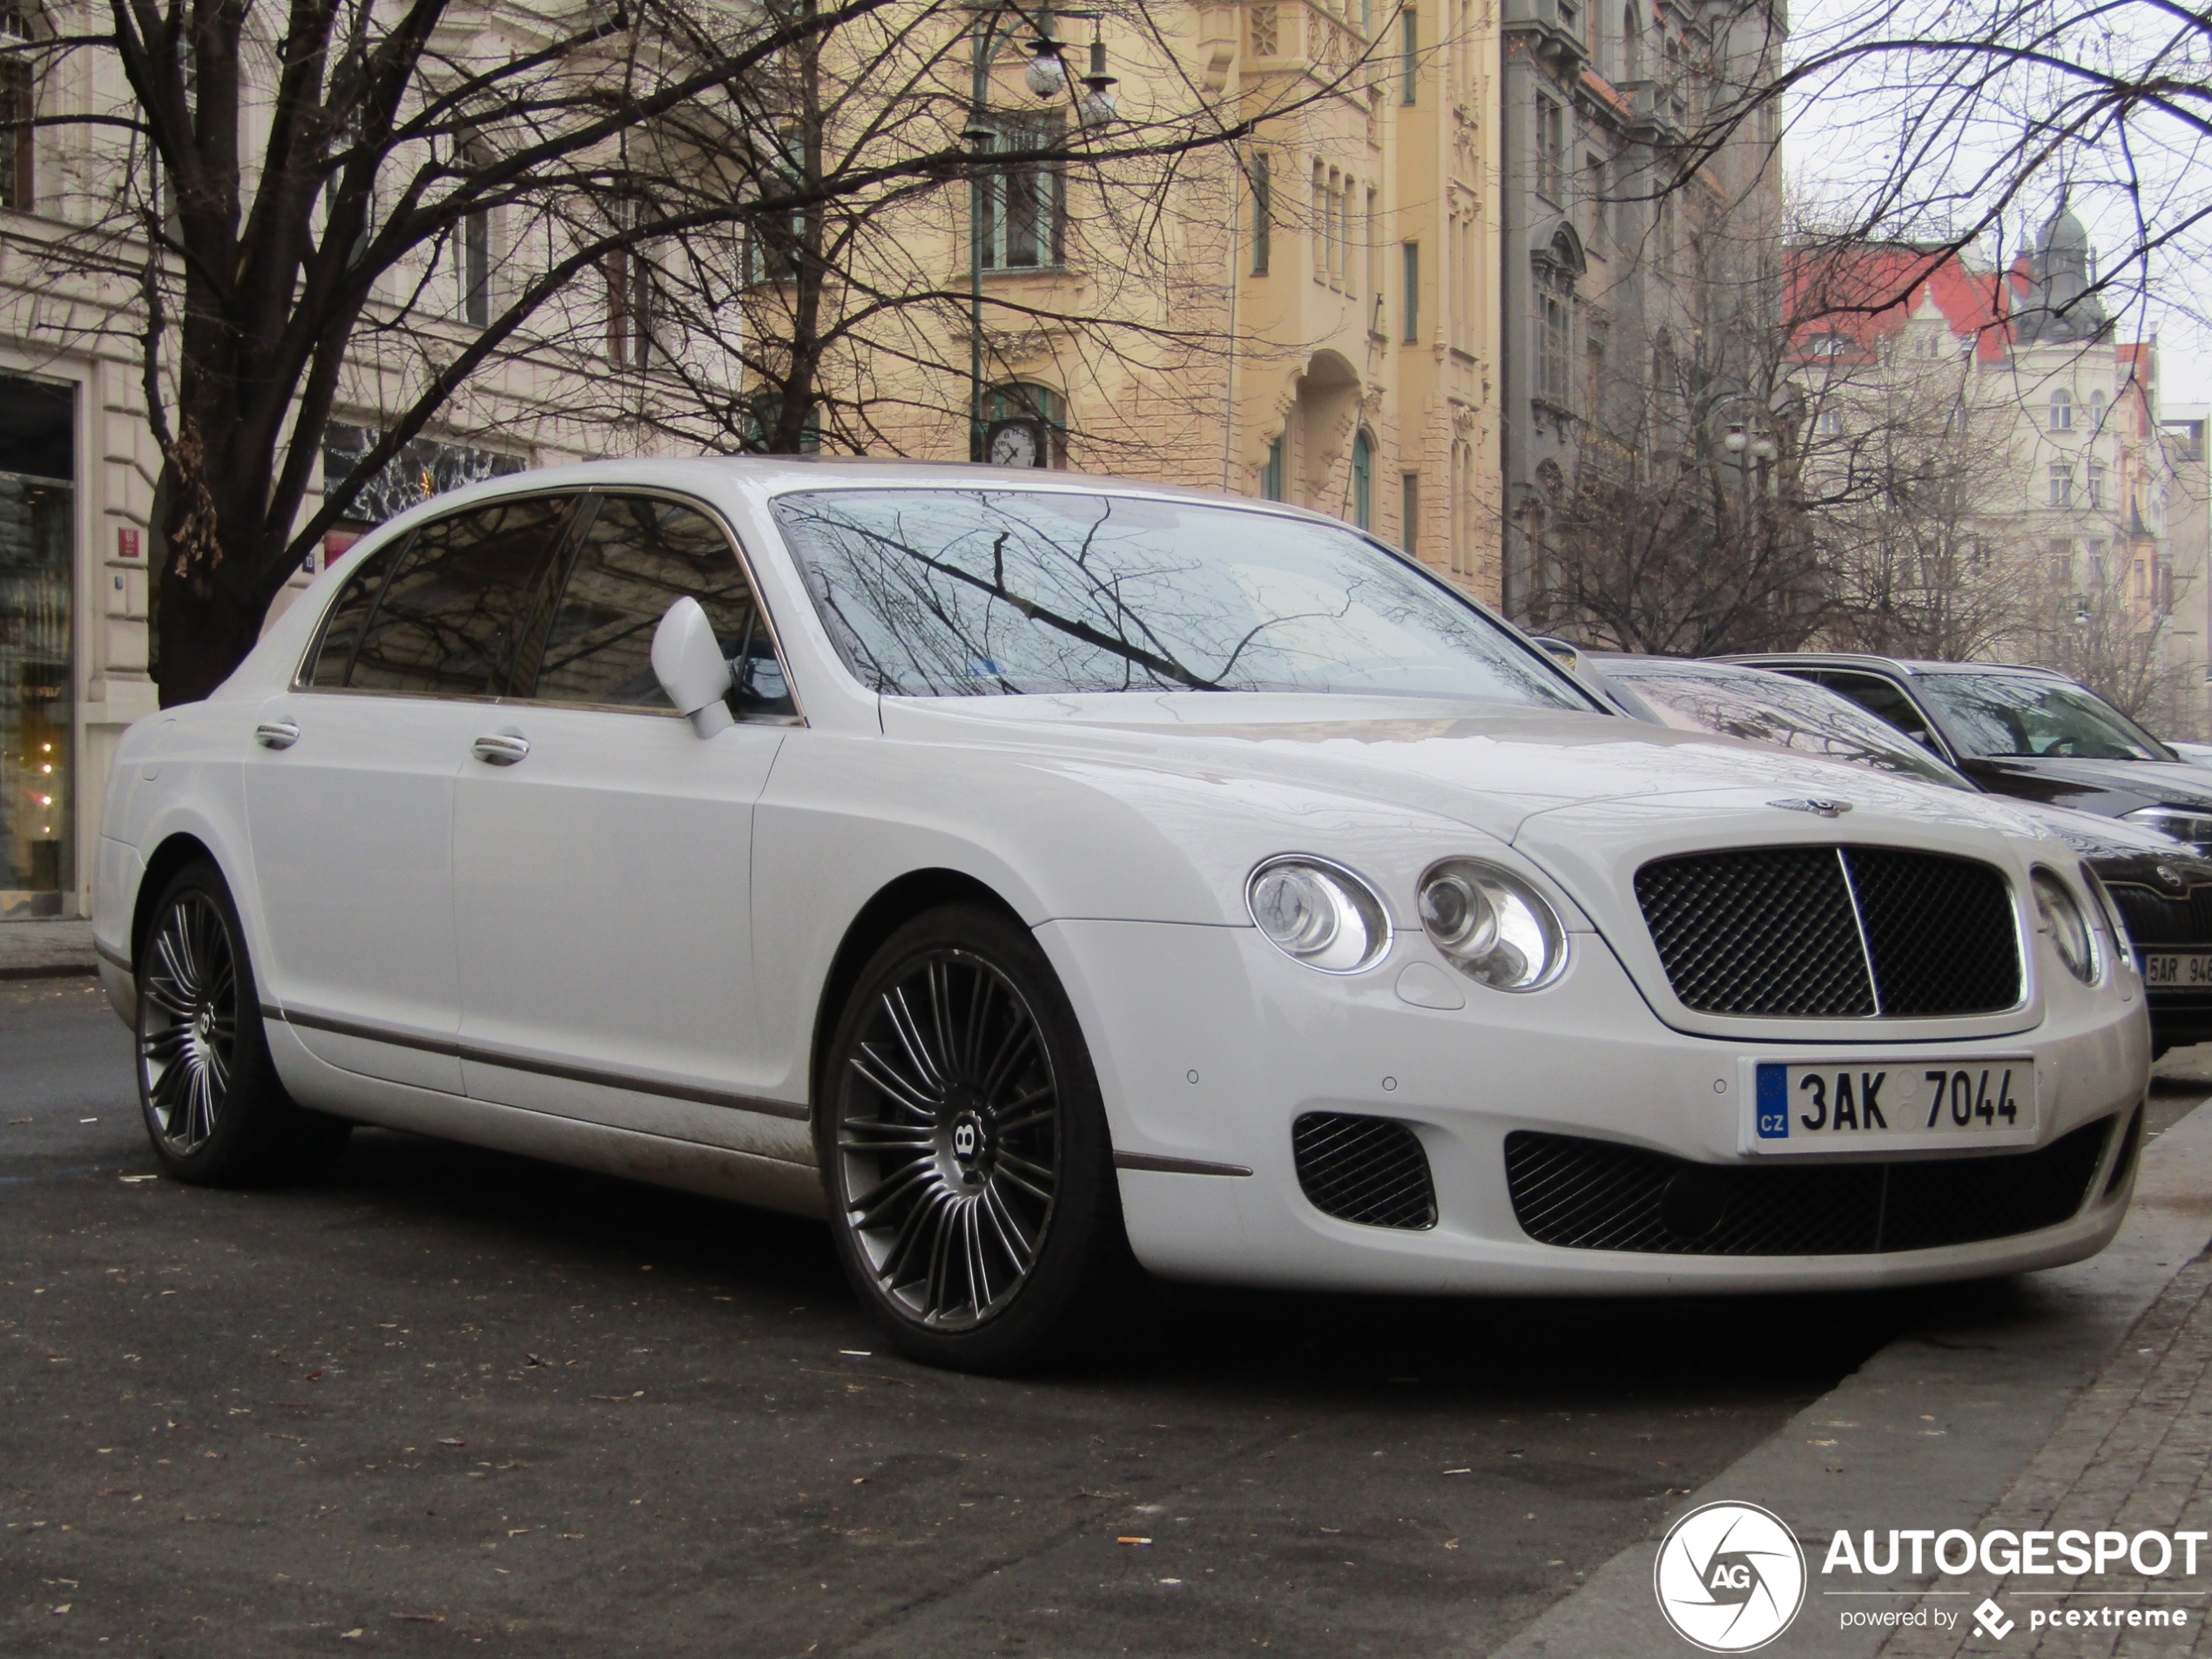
{"x":37,"y":760}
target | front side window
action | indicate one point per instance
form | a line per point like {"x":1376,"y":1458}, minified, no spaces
{"x":451,"y":606}
{"x":638,"y":556}
{"x":1885,"y":700}
{"x":2022,"y":714}
{"x":977,"y":593}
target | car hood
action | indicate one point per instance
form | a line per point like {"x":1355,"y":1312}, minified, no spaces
{"x":2060,"y":777}
{"x":1363,"y":778}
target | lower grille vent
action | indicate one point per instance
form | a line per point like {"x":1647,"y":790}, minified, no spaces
{"x":1596,"y":1195}
{"x":1367,"y":1170}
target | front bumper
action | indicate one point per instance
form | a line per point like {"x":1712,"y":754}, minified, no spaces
{"x":1209,"y":1046}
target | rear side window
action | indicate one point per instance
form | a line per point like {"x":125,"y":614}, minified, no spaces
{"x":639,"y":556}
{"x":452,"y":614}
{"x":342,"y":626}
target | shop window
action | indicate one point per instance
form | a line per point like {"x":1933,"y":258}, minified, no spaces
{"x":1363,"y":480}
{"x":1270,"y":471}
{"x":37,"y":534}
{"x":18,"y":138}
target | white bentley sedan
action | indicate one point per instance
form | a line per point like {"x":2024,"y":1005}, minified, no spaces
{"x":1041,"y":875}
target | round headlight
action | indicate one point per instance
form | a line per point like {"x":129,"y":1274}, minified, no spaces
{"x":2068,"y":928}
{"x":1319,"y":913}
{"x":1491,"y":924}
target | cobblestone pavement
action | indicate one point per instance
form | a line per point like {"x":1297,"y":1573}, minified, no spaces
{"x":2132,"y":1454}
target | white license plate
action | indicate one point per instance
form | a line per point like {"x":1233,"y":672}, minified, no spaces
{"x":1893,"y":1105}
{"x":2177,"y":969}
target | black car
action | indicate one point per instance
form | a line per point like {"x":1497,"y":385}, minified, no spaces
{"x":2161,"y":889}
{"x":2022,"y":731}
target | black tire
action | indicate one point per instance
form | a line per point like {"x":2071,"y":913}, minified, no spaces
{"x":965,"y":1152}
{"x":214,"y":1108}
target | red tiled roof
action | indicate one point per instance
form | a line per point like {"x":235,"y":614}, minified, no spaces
{"x":1862,"y":296}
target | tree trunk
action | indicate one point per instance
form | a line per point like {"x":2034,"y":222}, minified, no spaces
{"x":205,"y":628}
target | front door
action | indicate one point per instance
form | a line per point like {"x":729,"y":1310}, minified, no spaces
{"x":350,"y":787}
{"x":603,"y":854}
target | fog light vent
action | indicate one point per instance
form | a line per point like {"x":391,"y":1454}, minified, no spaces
{"x":1367,"y":1170}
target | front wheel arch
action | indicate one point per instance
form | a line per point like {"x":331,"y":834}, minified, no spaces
{"x":892,"y":906}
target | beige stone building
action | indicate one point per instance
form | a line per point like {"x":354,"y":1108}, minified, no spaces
{"x":1310,"y":317}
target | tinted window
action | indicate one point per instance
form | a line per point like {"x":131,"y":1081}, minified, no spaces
{"x":456,"y":603}
{"x":639,"y":557}
{"x":2021,"y":714}
{"x":966,"y":593}
{"x":1883,"y":698}
{"x":341,"y":627}
{"x":1774,"y":708}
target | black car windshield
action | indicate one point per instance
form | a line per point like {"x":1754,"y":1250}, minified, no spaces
{"x":2027,"y":714}
{"x":982,"y":592}
{"x":1773,"y":708}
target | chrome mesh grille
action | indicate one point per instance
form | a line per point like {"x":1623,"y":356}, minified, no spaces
{"x":1832,"y":932}
{"x":1598,"y":1195}
{"x":1368,"y":1170}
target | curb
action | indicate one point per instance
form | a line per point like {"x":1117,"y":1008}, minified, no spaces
{"x":1933,"y":1430}
{"x":47,"y":970}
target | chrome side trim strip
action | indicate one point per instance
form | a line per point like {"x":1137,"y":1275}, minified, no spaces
{"x":367,"y":1033}
{"x":1174,"y":1166}
{"x":543,"y":1068}
{"x":636,"y":1084}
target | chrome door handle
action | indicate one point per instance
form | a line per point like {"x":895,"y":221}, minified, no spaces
{"x":276,"y":734}
{"x":501,"y":748}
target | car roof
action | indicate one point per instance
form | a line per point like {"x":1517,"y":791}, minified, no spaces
{"x":1894,"y":664}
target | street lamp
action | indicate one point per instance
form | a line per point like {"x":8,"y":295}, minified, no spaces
{"x":1046,"y":77}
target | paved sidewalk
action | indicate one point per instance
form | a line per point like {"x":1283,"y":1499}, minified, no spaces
{"x":2082,"y":1391}
{"x":46,"y":949}
{"x":2131,"y":1455}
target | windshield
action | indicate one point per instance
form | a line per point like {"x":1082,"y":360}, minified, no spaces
{"x":1773,"y":708}
{"x":2022,"y":714}
{"x":969,"y":593}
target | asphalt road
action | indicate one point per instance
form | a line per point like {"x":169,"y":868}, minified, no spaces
{"x":453,"y":1398}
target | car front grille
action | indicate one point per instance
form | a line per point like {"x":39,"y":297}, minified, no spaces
{"x":2155,"y":917}
{"x":1832,"y":931}
{"x":1598,"y":1195}
{"x":1368,"y":1170}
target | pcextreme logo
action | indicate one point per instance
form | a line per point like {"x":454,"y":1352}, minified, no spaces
{"x":1730,"y":1577}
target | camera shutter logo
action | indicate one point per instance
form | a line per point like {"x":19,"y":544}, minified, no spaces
{"x":1730,"y":1577}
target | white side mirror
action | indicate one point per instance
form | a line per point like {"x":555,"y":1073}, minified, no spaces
{"x":688,"y":663}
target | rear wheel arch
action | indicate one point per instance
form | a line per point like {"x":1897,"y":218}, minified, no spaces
{"x":172,"y":855}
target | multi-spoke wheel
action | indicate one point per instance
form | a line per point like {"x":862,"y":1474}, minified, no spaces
{"x":970,"y":1179}
{"x":187,"y":1022}
{"x":214,"y":1109}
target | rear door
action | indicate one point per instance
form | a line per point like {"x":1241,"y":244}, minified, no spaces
{"x":349,"y":790}
{"x":603,"y":855}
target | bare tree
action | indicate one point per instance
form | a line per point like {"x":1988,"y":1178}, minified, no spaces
{"x":378,"y":204}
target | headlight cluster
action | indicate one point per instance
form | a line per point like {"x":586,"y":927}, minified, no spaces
{"x":1318,"y":913}
{"x":2183,"y":823}
{"x":2121,"y":942}
{"x":2071,"y":935}
{"x":1491,"y":924}
{"x":1488,"y":923}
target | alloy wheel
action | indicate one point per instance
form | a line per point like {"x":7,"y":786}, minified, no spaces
{"x":948,"y":1132}
{"x":188,"y":1021}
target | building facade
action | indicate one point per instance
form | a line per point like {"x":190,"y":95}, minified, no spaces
{"x":1638,"y":268}
{"x":2013,"y":383}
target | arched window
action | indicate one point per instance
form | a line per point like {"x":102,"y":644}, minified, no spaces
{"x":1024,"y":425}
{"x":2096,"y":411}
{"x":1631,"y":43}
{"x":1363,"y":480}
{"x":2061,"y":410}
